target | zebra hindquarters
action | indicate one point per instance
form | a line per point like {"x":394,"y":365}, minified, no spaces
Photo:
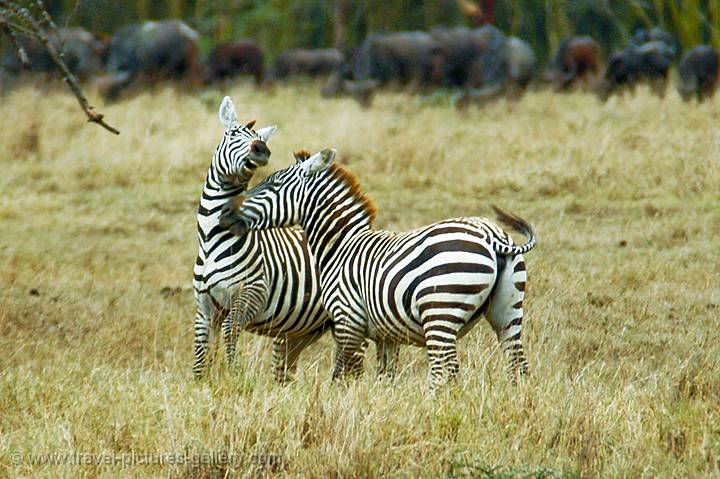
{"x":447,"y":311}
{"x":441,"y":333}
{"x":505,"y":313}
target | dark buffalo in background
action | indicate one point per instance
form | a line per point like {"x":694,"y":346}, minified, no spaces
{"x":482,"y":58}
{"x":83,"y":53}
{"x":649,"y":63}
{"x":6,"y":81}
{"x":312,"y":63}
{"x":343,"y":72}
{"x":656,"y":34}
{"x":459,"y":51}
{"x":698,"y":72}
{"x":505,"y":67}
{"x":401,"y":57}
{"x":340,"y":83}
{"x":577,"y":58}
{"x":456,"y":50}
{"x":228,"y":60}
{"x":521,"y":62}
{"x":149,"y":52}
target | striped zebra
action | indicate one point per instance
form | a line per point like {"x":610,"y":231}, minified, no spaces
{"x":426,"y":287}
{"x":265,"y":282}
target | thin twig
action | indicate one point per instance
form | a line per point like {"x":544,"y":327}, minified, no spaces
{"x":72,"y":14}
{"x":15,"y":11}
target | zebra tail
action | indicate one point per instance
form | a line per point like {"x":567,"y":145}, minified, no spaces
{"x":517,"y":224}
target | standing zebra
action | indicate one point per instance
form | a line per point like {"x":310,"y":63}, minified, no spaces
{"x":266,"y":281}
{"x":426,"y":287}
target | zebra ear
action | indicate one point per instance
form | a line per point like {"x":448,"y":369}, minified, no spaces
{"x":266,"y":133}
{"x":227,"y":114}
{"x":320,"y":161}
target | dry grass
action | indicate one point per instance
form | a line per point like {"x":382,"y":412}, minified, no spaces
{"x":622,"y":311}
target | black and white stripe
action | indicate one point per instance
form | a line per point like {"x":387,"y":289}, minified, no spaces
{"x":426,"y":287}
{"x":264,"y":282}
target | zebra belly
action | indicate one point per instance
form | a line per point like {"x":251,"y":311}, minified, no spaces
{"x":288,"y":321}
{"x":278,"y":315}
{"x":407,"y":331}
{"x":222,"y":295}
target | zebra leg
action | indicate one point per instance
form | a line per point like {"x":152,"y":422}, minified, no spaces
{"x":205,"y":333}
{"x":505,"y":313}
{"x":441,"y":332}
{"x":388,"y":355}
{"x":350,"y":344}
{"x":230,"y":336}
{"x":246,"y":305}
{"x":286,"y":352}
{"x":280,"y":355}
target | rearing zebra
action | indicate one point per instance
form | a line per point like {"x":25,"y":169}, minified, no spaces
{"x":426,"y":287}
{"x":265,"y":282}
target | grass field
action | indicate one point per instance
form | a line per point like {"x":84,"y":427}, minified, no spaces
{"x":98,"y":238}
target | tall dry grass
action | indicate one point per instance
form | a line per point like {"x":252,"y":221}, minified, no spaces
{"x":97,"y":240}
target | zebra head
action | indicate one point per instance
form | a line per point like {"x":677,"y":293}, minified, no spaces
{"x":242,"y":149}
{"x":280,"y":200}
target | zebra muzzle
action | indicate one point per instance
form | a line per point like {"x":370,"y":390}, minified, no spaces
{"x":259,"y":154}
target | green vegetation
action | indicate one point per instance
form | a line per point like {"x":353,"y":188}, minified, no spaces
{"x":283,"y":24}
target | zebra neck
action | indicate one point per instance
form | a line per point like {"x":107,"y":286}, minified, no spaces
{"x":215,"y":194}
{"x":334,"y":222}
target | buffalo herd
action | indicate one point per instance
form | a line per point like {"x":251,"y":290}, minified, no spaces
{"x":479,"y":63}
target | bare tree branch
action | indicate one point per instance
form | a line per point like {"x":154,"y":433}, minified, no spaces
{"x":22,"y":54}
{"x":17,"y":18}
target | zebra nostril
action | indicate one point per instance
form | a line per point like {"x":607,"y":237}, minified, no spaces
{"x":259,"y":148}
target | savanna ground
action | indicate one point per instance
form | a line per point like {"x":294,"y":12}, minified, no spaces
{"x":98,"y":238}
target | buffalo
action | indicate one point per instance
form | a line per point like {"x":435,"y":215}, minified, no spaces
{"x":521,"y":62}
{"x":456,"y":49}
{"x":482,"y":58}
{"x":510,"y":62}
{"x":151,"y":51}
{"x":402,"y":57}
{"x":82,"y":52}
{"x":312,"y":63}
{"x":341,"y":83}
{"x":649,"y":63}
{"x":505,"y":66}
{"x":228,"y":60}
{"x":577,"y":58}
{"x":698,"y":71}
{"x":655,"y":34}
{"x":462,"y":53}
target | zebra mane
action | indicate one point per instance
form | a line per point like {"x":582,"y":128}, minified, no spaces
{"x":301,"y":155}
{"x":346,"y":176}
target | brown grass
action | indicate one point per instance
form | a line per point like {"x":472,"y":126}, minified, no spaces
{"x":97,"y":238}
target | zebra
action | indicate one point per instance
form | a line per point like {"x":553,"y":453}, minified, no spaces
{"x":427,"y":287}
{"x":265,"y":282}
